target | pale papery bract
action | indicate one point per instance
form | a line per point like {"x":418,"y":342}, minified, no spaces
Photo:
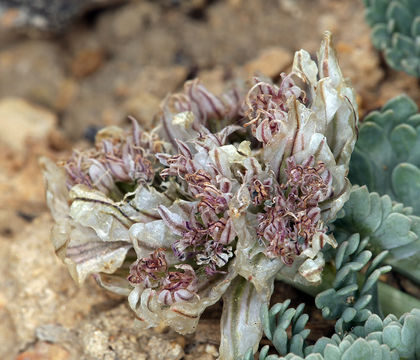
{"x":225,"y":216}
{"x":320,"y":128}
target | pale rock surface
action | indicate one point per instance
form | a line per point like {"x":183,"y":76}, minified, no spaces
{"x":158,"y":81}
{"x":36,"y":289}
{"x":21,"y":121}
{"x":143,"y":107}
{"x":34,"y":70}
{"x":270,"y":62}
{"x":213,"y":79}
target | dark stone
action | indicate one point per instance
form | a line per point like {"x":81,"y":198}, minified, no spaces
{"x":50,"y":15}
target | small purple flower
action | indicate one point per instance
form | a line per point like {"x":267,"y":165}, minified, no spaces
{"x":292,"y":216}
{"x":205,"y":107}
{"x":77,"y":171}
{"x":260,"y":191}
{"x":149,"y":271}
{"x":215,"y":255}
{"x":171,"y":286}
{"x":267,"y":106}
{"x":178,"y":286}
{"x":127,"y":163}
{"x":207,"y":232}
{"x":204,"y":236}
{"x":118,"y":157}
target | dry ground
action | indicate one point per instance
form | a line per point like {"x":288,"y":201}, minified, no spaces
{"x":56,"y":90}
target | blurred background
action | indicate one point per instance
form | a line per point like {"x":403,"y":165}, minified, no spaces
{"x":70,"y":67}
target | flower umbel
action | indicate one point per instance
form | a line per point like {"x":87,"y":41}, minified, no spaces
{"x":118,"y":157}
{"x":204,"y":236}
{"x":267,"y":106}
{"x":149,"y":271}
{"x":292,"y":217}
{"x":171,"y":286}
{"x":179,"y":286}
{"x":210,"y":213}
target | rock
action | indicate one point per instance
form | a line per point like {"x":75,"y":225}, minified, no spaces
{"x":145,"y":93}
{"x":47,"y":14}
{"x":203,"y":352}
{"x":211,"y":350}
{"x":68,"y":89}
{"x":113,"y":335}
{"x":127,"y":23}
{"x":22,"y":121}
{"x":96,"y":344}
{"x":271,"y":62}
{"x":143,"y":108}
{"x":44,"y":351}
{"x":164,"y":350}
{"x":37,"y":288}
{"x":397,"y":82}
{"x":214,"y":79}
{"x":158,"y":81}
{"x":85,"y":110}
{"x":7,"y":328}
{"x":34,"y":70}
{"x":86,"y":62}
{"x":360,"y":62}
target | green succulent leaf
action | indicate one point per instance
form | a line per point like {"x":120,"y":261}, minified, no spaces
{"x":352,"y":300}
{"x":375,"y":339}
{"x":350,"y":295}
{"x":387,"y":153}
{"x":395,"y":30}
{"x":389,"y":226}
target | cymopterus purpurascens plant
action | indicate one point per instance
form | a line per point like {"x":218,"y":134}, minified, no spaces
{"x":225,"y":195}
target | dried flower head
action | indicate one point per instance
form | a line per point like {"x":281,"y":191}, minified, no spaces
{"x":179,"y":286}
{"x":268,"y":108}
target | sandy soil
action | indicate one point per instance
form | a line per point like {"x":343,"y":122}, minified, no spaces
{"x":56,"y":90}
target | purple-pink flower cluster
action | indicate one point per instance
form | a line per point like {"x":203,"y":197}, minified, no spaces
{"x":267,"y":106}
{"x":120,"y":157}
{"x":292,"y":215}
{"x":171,"y":286}
{"x":206,"y":235}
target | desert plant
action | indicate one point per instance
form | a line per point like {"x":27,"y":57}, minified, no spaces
{"x":396,"y":31}
{"x":387,"y":155}
{"x":227,"y":194}
{"x":361,"y":332}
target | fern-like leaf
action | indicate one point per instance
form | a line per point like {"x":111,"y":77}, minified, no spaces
{"x":387,"y":154}
{"x":389,"y":226}
{"x":348,"y":301}
{"x":395,"y":31}
{"x":375,"y":339}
